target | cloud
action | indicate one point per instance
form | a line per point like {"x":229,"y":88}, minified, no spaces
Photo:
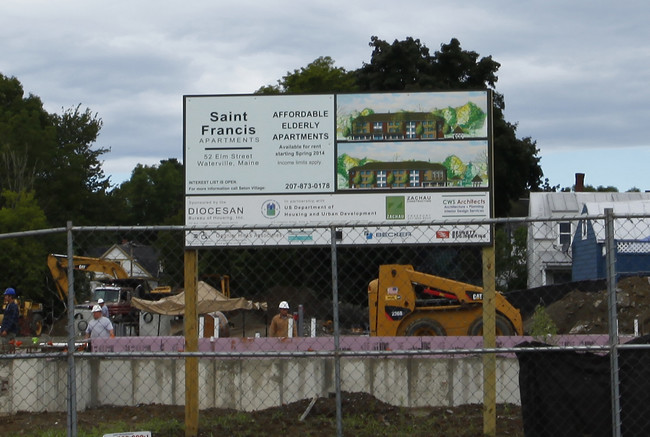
{"x":574,"y":75}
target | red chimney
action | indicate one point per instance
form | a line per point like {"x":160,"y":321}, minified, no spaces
{"x":580,"y":182}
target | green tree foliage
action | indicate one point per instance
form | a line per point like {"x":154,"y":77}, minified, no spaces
{"x":73,"y":185}
{"x":600,"y":189}
{"x":516,"y":165}
{"x":319,"y":76}
{"x":542,"y":328}
{"x":26,"y":135}
{"x":153,"y":195}
{"x":20,"y":265}
{"x":510,"y":258}
{"x":53,"y":155}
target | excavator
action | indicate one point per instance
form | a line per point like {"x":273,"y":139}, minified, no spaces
{"x":112,"y":272}
{"x":116,"y":290}
{"x":404,"y":302}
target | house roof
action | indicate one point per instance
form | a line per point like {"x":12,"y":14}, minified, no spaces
{"x":397,"y":116}
{"x":554,"y":205}
{"x":550,"y":204}
{"x":633,"y":228}
{"x":400,"y":165}
{"x":140,"y":260}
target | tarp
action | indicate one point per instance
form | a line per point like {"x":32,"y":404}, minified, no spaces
{"x":567,"y":393}
{"x":209,"y":299}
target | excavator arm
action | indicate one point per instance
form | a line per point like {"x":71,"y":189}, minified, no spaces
{"x":58,"y":265}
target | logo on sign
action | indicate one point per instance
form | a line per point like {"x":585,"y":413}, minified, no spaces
{"x":395,"y":208}
{"x":270,"y":209}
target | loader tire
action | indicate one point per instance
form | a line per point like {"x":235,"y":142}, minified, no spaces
{"x":36,"y":325}
{"x":503,"y":326}
{"x":425,"y":328}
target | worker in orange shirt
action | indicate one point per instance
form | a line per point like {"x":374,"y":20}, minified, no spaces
{"x":281,"y":321}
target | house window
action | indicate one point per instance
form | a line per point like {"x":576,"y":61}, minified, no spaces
{"x":414,"y":178}
{"x":565,"y":233}
{"x":381,"y":178}
{"x":410,"y":129}
{"x":557,"y":275}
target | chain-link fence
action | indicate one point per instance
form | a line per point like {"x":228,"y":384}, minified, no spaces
{"x":400,"y":322}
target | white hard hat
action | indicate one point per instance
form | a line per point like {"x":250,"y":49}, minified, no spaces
{"x":100,"y":300}
{"x":97,"y":308}
{"x":284,"y":305}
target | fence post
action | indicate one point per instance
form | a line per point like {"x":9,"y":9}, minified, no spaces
{"x":72,"y":385}
{"x":610,"y":260}
{"x":337,"y":357}
{"x":190,"y":321}
{"x":489,"y":342}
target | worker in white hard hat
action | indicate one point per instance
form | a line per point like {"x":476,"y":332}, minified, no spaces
{"x":99,"y":326}
{"x":104,"y":307}
{"x":280,"y":322}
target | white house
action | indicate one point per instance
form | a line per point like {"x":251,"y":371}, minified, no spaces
{"x":551,"y":233}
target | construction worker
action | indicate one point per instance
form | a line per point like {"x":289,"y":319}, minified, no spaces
{"x":280,"y":322}
{"x":100,"y":326}
{"x":9,"y":327}
{"x":104,"y":307}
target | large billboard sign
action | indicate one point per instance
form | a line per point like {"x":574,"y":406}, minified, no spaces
{"x":315,"y":160}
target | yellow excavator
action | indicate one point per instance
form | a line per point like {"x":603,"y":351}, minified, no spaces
{"x":111,"y":272}
{"x":403,"y":302}
{"x":116,"y":290}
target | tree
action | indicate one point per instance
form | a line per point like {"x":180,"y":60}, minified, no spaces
{"x":22,"y":260}
{"x":53,"y":155}
{"x":408,"y":65}
{"x":510,"y":258}
{"x":72,"y":186}
{"x":320,"y":76}
{"x":600,"y":189}
{"x":26,"y":134}
{"x":153,"y":195}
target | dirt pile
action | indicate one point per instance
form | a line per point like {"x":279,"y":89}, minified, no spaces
{"x":581,"y":312}
{"x":363,"y":415}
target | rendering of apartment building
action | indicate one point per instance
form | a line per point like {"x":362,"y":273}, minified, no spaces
{"x":399,"y":175}
{"x":397,"y":126}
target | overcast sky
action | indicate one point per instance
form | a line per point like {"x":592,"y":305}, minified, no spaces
{"x":575,"y":75}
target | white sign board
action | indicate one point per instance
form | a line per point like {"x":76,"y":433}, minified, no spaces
{"x":346,"y":160}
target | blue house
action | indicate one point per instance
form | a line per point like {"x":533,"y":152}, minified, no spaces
{"x":631,"y":240}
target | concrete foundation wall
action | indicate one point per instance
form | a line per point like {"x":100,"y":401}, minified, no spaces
{"x":36,"y":385}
